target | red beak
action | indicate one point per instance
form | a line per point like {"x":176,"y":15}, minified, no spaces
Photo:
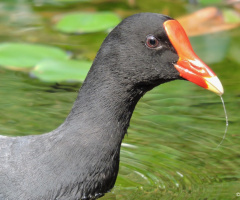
{"x":189,"y":65}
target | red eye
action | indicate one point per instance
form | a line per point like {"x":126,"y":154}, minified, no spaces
{"x":152,"y":42}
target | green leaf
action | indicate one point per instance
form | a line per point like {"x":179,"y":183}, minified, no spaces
{"x":22,"y":55}
{"x":87,"y":22}
{"x":210,"y":2}
{"x":62,"y":70}
{"x":231,"y":16}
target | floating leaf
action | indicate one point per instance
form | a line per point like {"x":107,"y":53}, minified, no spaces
{"x":231,"y":16}
{"x":59,"y":2}
{"x":22,"y":55}
{"x":87,"y":22}
{"x":210,"y":2}
{"x":209,"y":20}
{"x":62,"y":70}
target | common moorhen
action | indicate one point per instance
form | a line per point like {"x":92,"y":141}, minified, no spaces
{"x":80,"y":159}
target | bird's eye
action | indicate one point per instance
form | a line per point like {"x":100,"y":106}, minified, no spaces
{"x":152,"y":42}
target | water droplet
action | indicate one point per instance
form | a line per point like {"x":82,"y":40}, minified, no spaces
{"x":226,"y":117}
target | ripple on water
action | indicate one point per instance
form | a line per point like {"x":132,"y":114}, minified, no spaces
{"x":170,"y":151}
{"x":148,"y":170}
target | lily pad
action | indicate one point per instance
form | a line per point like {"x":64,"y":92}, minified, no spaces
{"x":231,"y":16}
{"x":22,"y":55}
{"x":210,"y":2}
{"x":62,"y":70}
{"x":87,"y":22}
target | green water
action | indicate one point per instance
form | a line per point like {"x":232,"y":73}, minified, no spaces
{"x":170,"y":149}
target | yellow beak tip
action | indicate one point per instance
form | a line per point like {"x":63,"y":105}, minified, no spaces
{"x":215,"y":85}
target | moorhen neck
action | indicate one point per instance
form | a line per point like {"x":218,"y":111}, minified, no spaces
{"x":80,"y":159}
